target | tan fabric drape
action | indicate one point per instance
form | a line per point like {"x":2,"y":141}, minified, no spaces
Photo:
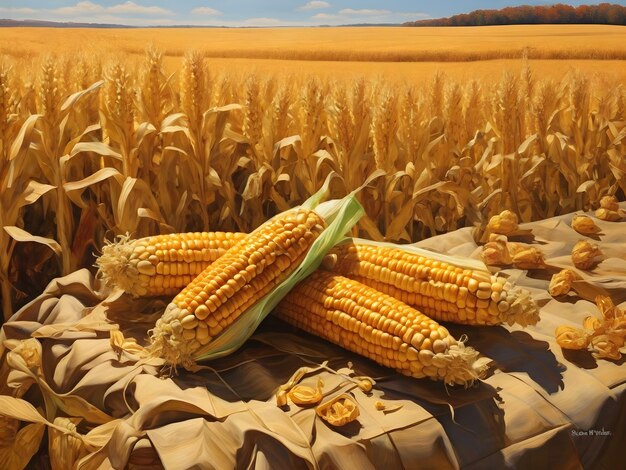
{"x":539,"y":407}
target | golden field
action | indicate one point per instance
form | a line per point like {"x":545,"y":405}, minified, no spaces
{"x":395,"y":53}
{"x":148,"y":131}
{"x":457,"y":131}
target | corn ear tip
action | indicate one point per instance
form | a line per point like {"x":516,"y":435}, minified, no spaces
{"x":112,"y":263}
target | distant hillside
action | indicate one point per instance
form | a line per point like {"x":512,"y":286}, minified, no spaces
{"x":54,"y":24}
{"x":604,"y":13}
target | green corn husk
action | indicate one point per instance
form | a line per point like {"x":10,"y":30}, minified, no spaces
{"x":340,"y":215}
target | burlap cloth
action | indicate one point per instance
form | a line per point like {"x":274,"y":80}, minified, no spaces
{"x":538,"y":408}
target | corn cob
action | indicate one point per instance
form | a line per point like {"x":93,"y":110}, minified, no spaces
{"x":236,"y":281}
{"x":441,"y":290}
{"x":161,"y":264}
{"x":378,"y":326}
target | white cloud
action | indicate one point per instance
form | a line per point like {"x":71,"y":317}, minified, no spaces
{"x":129,"y":8}
{"x":325,"y":16}
{"x":314,"y":5}
{"x":81,"y":8}
{"x":363,"y":12}
{"x":208,"y":11}
{"x":133,"y":8}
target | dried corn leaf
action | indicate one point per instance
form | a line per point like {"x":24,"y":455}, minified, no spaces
{"x":70,"y":404}
{"x":8,"y":430}
{"x":65,"y":448}
{"x":26,"y":444}
{"x":119,"y":344}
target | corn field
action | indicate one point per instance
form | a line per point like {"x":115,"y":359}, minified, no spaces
{"x":90,"y":149}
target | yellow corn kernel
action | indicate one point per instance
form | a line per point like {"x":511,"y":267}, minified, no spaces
{"x":176,"y":336}
{"x":140,"y":266}
{"x":377,"y":326}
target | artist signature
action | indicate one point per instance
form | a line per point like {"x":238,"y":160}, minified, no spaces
{"x":591,"y":432}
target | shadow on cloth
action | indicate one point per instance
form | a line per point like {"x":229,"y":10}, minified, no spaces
{"x":515,"y":351}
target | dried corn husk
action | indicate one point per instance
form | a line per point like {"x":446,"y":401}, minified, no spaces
{"x":528,"y":258}
{"x":607,"y":346}
{"x":585,"y":255}
{"x":561,"y":282}
{"x":584,"y":225}
{"x":119,"y":344}
{"x":571,"y":338}
{"x":609,"y":209}
{"x":8,"y":430}
{"x":604,"y":336}
{"x":365,"y":383}
{"x":610,"y":203}
{"x":503,"y":223}
{"x":303,"y":395}
{"x":25,"y":444}
{"x":282,"y":397}
{"x":495,"y":251}
{"x":29,"y":352}
{"x":144,"y":456}
{"x":339,"y":411}
{"x":608,"y":215}
{"x":592,"y":323}
{"x":65,"y":448}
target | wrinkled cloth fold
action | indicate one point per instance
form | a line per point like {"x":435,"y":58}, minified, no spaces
{"x":538,"y":404}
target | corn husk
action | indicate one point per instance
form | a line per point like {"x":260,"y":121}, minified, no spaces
{"x":585,"y":255}
{"x":561,"y":282}
{"x":609,"y":209}
{"x":609,"y":215}
{"x":604,"y":336}
{"x":65,"y":448}
{"x":607,"y":346}
{"x":571,"y":338}
{"x":8,"y":430}
{"x":26,"y":444}
{"x":144,"y":457}
{"x":339,"y":411}
{"x":504,"y":223}
{"x":496,"y":251}
{"x":609,"y":203}
{"x":584,"y":225}
{"x":340,"y":215}
{"x":528,"y":257}
{"x":303,"y":395}
{"x":121,"y":345}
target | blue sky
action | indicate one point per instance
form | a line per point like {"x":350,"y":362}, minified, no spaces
{"x":246,"y":12}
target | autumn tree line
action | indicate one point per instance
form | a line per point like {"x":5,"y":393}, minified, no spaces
{"x":603,"y":13}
